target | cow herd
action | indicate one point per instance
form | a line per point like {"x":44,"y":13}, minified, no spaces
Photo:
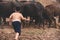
{"x":35,"y":10}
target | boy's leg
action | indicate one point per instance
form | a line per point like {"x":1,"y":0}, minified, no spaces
{"x":17,"y":28}
{"x":16,"y":36}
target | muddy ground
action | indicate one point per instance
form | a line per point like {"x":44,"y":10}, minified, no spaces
{"x":7,"y":33}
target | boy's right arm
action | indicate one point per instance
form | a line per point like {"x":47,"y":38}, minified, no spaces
{"x":23,"y":18}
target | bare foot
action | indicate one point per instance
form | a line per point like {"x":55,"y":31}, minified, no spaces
{"x":15,"y":39}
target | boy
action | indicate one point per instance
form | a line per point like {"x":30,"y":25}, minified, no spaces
{"x":16,"y":18}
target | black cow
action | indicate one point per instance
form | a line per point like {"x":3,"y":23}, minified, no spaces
{"x":48,"y":18}
{"x":53,"y":10}
{"x":5,"y":9}
{"x":32,"y":9}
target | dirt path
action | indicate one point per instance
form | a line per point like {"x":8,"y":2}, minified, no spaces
{"x":31,"y":34}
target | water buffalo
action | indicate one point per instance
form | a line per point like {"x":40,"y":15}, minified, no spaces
{"x":32,"y":9}
{"x":48,"y":17}
{"x":5,"y":9}
{"x":53,"y":10}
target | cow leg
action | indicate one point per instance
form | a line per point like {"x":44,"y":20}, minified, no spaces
{"x":59,"y":18}
{"x":43,"y":24}
{"x":54,"y":20}
{"x":49,"y":20}
{"x":57,"y":24}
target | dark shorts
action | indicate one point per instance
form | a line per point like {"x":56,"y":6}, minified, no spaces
{"x":17,"y":26}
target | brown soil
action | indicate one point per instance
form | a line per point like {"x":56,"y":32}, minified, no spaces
{"x":31,"y":34}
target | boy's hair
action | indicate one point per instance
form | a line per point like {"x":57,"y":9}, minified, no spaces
{"x":17,"y":8}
